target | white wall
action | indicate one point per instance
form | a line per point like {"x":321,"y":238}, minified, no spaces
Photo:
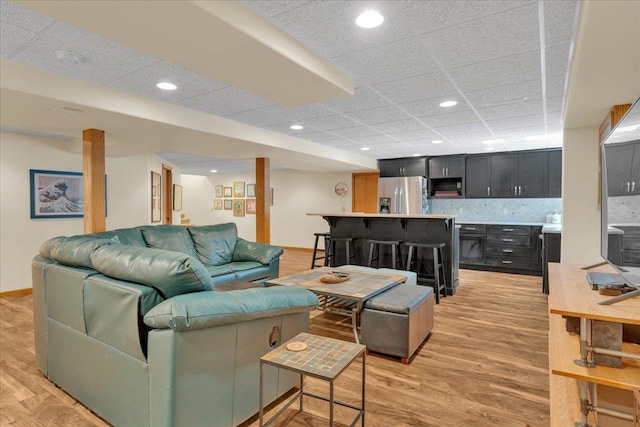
{"x":580,"y":212}
{"x":295,"y":194}
{"x":128,"y":199}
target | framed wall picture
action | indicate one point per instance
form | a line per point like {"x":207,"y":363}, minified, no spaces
{"x":56,"y":194}
{"x":217,"y":204}
{"x":238,"y":189}
{"x":238,"y":207}
{"x":251,"y":206}
{"x":228,"y":204}
{"x":251,"y":190}
{"x":219,"y":190}
{"x":177,"y":197}
{"x":156,"y":197}
{"x":228,"y":191}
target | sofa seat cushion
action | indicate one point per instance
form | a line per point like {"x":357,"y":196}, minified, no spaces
{"x":208,"y":309}
{"x":401,"y":299}
{"x":170,"y":273}
{"x":218,"y":270}
{"x":214,"y":243}
{"x":249,"y":270}
{"x":76,"y":251}
{"x":169,"y":237}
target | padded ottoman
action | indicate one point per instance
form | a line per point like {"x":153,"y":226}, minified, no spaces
{"x":396,"y":322}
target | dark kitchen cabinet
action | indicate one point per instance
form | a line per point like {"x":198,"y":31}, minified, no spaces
{"x":473,"y":244}
{"x":446,"y":167}
{"x":555,"y":173}
{"x":411,"y":166}
{"x":623,"y":169}
{"x":504,"y":175}
{"x":478,"y":177}
{"x":551,"y":253}
{"x":519,"y":175}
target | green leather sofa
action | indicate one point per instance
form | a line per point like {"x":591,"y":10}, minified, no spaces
{"x":129,"y":323}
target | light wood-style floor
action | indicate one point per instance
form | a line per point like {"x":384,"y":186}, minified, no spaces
{"x":486,"y":364}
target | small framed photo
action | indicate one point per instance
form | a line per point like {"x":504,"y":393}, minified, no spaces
{"x":219,"y":191}
{"x":238,"y":189}
{"x":251,"y":190}
{"x":251,"y":206}
{"x":238,"y":207}
{"x":228,"y":191}
{"x":228,"y":204}
{"x":177,"y":197}
{"x":217,"y":204}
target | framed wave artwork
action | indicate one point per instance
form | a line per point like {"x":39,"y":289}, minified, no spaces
{"x":56,"y":194}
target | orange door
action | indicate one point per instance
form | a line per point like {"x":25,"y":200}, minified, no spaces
{"x":364,"y":197}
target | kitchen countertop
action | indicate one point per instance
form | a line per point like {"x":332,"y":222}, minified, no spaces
{"x":367,"y":215}
{"x":533,"y":224}
{"x":557,"y":228}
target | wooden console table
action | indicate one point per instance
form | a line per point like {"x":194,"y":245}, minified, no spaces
{"x":572,"y":391}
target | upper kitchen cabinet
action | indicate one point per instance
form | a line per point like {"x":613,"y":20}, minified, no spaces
{"x":520,"y":175}
{"x":478,"y":177}
{"x":555,"y":173}
{"x":411,"y":166}
{"x":446,"y":167}
{"x":623,"y":169}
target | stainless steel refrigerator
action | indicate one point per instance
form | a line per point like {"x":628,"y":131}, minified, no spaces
{"x":402,"y":195}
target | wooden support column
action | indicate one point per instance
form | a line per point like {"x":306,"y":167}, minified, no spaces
{"x":263,"y":201}
{"x":93,"y":180}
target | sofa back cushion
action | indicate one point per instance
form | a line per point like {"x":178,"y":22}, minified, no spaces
{"x":76,"y":251}
{"x":169,"y":237}
{"x":130,"y":236}
{"x":214,"y":243}
{"x":170,"y":273}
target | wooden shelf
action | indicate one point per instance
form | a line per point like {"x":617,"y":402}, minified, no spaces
{"x":564,"y":348}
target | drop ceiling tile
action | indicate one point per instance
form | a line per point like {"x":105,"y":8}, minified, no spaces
{"x":270,"y":8}
{"x":398,"y":126}
{"x":363,"y":99}
{"x":515,"y":122}
{"x":502,"y":34}
{"x":516,"y":109}
{"x":13,"y":38}
{"x":415,"y":135}
{"x":471,"y":138}
{"x":392,"y":61}
{"x":285,"y":129}
{"x":22,"y":17}
{"x":224,"y":102}
{"x":342,"y":143}
{"x":555,"y":86}
{"x":557,"y":59}
{"x":520,"y":133}
{"x":374,"y":139}
{"x":354,"y":132}
{"x":554,"y":118}
{"x":460,"y":129}
{"x":450,"y":119}
{"x":336,"y":121}
{"x":527,"y":145}
{"x":265,"y":116}
{"x":559,"y":17}
{"x":307,"y":112}
{"x":320,"y":137}
{"x":554,"y":104}
{"x":426,"y":86}
{"x":377,"y":115}
{"x":431,"y":107}
{"x":507,"y":94}
{"x":512,"y":69}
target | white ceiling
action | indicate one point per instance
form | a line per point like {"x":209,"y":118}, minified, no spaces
{"x":505,"y":62}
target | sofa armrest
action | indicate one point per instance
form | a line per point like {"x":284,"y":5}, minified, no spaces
{"x":258,"y":252}
{"x":201,"y":310}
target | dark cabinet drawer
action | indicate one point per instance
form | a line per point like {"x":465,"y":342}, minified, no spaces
{"x":508,"y":240}
{"x":524,"y":230}
{"x":630,"y":258}
{"x":511,"y":251}
{"x":473,"y":228}
{"x":631,"y":243}
{"x":521,"y":263}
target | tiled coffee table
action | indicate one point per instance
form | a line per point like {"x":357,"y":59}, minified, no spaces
{"x":324,"y":358}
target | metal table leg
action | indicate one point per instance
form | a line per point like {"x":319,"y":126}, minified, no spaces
{"x":331,"y":403}
{"x":261,"y":398}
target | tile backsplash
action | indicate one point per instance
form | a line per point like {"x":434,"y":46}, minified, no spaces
{"x":624,"y":210}
{"x":496,"y":210}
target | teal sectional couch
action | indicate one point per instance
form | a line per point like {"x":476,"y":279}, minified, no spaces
{"x":130,"y":324}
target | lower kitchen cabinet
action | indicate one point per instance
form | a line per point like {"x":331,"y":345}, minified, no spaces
{"x":508,"y":248}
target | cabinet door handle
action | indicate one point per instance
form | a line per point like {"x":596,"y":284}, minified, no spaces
{"x":507,"y":251}
{"x":633,"y":186}
{"x":515,"y":190}
{"x":507,"y":262}
{"x":443,"y":174}
{"x":508,"y":230}
{"x":447,"y":169}
{"x":470,"y":228}
{"x":520,"y":190}
{"x":507,"y":240}
{"x":628,"y":186}
{"x":488,"y":191}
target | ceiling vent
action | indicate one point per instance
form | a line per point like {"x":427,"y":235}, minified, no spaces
{"x":67,"y":110}
{"x":70,"y":57}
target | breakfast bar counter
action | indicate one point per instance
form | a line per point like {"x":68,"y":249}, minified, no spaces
{"x":407,"y":228}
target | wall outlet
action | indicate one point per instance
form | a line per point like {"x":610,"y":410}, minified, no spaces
{"x":505,"y":211}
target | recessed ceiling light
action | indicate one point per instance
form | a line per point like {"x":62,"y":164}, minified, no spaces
{"x":214,"y":171}
{"x":369,"y":19}
{"x":70,"y":56}
{"x":296,"y":127}
{"x":365,"y":148}
{"x":489,"y":148}
{"x":167,"y":86}
{"x":448,"y":103}
{"x":437,"y":141}
{"x":627,"y":128}
{"x":415,"y":155}
{"x":493,"y":141}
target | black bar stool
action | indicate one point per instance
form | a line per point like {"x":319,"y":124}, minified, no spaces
{"x":438,"y":280}
{"x":396,"y":256}
{"x":315,"y":256}
{"x":330,"y":254}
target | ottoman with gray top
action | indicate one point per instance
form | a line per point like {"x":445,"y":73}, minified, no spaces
{"x":397,"y":321}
